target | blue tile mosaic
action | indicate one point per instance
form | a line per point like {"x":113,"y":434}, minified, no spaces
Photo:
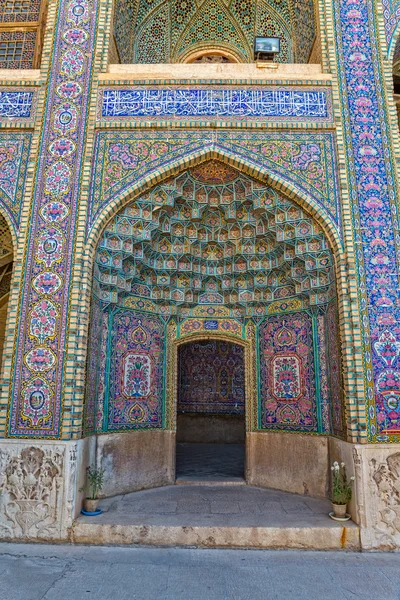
{"x":15,"y":104}
{"x":234,"y":103}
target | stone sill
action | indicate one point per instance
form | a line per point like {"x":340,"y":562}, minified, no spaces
{"x":228,"y":71}
{"x":19,"y":76}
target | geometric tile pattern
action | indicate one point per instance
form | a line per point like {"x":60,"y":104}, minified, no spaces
{"x":213,"y":236}
{"x":162,"y":32}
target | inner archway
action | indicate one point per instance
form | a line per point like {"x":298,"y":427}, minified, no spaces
{"x":210,"y":410}
{"x":211,"y":253}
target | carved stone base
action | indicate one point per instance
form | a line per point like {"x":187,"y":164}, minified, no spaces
{"x":39,"y":483}
{"x":38,"y":488}
{"x":376,"y":502}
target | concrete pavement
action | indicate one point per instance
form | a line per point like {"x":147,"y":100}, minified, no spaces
{"x":50,"y":572}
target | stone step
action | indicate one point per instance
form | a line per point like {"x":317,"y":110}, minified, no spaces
{"x":211,"y":514}
{"x":210,"y":482}
{"x":279,"y":537}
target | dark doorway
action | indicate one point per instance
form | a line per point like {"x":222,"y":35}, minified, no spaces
{"x":211,"y":411}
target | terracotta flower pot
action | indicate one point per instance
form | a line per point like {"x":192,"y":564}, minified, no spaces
{"x":339,"y":510}
{"x":90,"y":505}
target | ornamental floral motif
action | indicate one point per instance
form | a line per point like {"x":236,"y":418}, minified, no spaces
{"x":40,"y":359}
{"x":54,"y":212}
{"x":69,"y":90}
{"x":62,"y":147}
{"x":286,"y":377}
{"x":373,"y":198}
{"x":388,"y":348}
{"x":136,"y":375}
{"x":32,"y":490}
{"x":72,"y":63}
{"x":57,"y":179}
{"x":75,"y":36}
{"x":43,"y":320}
{"x":47,"y":283}
{"x":8,"y":168}
{"x":136,"y":371}
{"x":50,"y":246}
{"x":309,"y":153}
{"x":63,"y":135}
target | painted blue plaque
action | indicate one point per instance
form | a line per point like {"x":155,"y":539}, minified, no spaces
{"x":210,"y":324}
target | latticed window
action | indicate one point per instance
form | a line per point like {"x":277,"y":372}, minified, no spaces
{"x":21,"y":33}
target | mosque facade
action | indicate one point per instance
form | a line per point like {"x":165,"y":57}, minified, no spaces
{"x":192,"y":233}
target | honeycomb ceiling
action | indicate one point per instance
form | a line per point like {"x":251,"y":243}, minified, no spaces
{"x":213,"y":236}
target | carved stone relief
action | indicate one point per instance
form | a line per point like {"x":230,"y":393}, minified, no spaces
{"x":386,"y":484}
{"x":31,"y":486}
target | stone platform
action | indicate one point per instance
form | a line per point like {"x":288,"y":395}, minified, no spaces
{"x":238,"y":516}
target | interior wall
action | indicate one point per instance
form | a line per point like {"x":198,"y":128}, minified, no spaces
{"x":289,"y":462}
{"x":211,"y":378}
{"x":210,"y":429}
{"x":136,"y":460}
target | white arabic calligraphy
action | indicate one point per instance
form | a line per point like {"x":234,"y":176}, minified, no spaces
{"x":15,"y":104}
{"x":183,"y":102}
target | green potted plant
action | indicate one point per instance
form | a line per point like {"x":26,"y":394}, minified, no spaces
{"x":94,"y":484}
{"x":341,"y":491}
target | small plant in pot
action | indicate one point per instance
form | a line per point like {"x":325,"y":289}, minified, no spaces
{"x":341,"y":491}
{"x":94,"y":484}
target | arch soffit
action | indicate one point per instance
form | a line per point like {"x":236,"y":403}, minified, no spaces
{"x":203,"y":337}
{"x":10,"y":222}
{"x":276,"y":182}
{"x":393,"y":41}
{"x":192,"y":22}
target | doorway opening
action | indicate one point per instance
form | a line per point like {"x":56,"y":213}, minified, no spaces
{"x":211,"y":411}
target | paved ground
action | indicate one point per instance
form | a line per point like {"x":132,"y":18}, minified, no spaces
{"x":38,"y":572}
{"x":214,"y":505}
{"x":210,"y":462}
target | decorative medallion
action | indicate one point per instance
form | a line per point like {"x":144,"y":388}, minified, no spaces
{"x":214,"y":172}
{"x":50,"y":246}
{"x":36,"y":403}
{"x":46,"y":283}
{"x":54,"y":212}
{"x":40,"y":359}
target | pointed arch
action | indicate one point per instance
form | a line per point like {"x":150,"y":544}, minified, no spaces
{"x":276,"y":179}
